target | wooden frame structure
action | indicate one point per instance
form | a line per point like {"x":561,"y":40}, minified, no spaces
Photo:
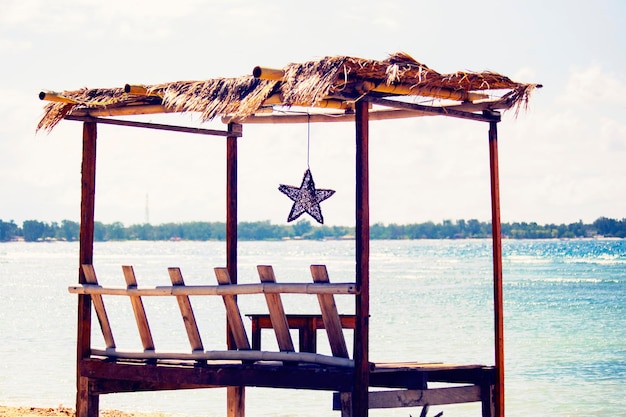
{"x":356,"y":91}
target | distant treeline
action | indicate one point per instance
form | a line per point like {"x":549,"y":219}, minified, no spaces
{"x":67,"y":230}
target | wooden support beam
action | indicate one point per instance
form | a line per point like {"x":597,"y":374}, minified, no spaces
{"x":441,"y":111}
{"x":362,"y":252}
{"x":400,"y":112}
{"x":155,"y":126}
{"x":235,"y":396}
{"x":333,"y":378}
{"x":496,"y":229}
{"x":86,"y":403}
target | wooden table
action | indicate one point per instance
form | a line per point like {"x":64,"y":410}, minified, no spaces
{"x":307,"y":325}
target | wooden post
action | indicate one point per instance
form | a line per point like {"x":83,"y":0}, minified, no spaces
{"x":497,"y":268}
{"x":86,"y":403}
{"x":362,"y":232}
{"x":235,"y":395}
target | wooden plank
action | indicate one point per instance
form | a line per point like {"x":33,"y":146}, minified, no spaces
{"x":233,"y":315}
{"x":98,"y":304}
{"x":419,"y":398}
{"x":138,"y":310}
{"x":262,"y":288}
{"x":228,"y":355}
{"x":271,"y":375}
{"x":277,"y":312}
{"x":330,"y":315}
{"x":189,"y":319}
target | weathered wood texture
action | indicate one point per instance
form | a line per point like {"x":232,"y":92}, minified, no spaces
{"x":306,"y":324}
{"x":497,"y":268}
{"x":184,"y":304}
{"x":86,"y":403}
{"x":98,"y":303}
{"x":233,"y":314}
{"x":277,"y":311}
{"x":418,"y":398}
{"x":361,"y":339}
{"x":330,"y":315}
{"x":234,"y":289}
{"x":138,"y":310}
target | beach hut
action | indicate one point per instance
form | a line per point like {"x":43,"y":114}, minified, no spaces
{"x":332,"y":89}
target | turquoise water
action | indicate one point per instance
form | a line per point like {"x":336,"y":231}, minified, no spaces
{"x":565,"y":318}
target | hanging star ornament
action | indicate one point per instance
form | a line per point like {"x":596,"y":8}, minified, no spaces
{"x":306,"y":198}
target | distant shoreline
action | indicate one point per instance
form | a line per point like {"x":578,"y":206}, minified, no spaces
{"x":37,"y":231}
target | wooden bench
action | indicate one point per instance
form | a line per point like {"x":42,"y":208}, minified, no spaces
{"x":111,"y":369}
{"x":243,"y":350}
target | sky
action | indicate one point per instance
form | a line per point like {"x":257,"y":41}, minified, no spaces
{"x":561,"y":161}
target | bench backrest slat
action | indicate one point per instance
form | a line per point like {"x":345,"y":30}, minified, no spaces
{"x":233,"y":315}
{"x":138,"y":309}
{"x":98,"y":304}
{"x":276,"y":310}
{"x":330,"y":315}
{"x":189,"y":319}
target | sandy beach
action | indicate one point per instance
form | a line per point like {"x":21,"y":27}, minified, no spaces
{"x":65,"y":412}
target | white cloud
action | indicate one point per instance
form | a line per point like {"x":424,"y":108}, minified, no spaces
{"x":593,"y":86}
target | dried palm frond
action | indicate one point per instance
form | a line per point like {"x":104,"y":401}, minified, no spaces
{"x":302,"y":84}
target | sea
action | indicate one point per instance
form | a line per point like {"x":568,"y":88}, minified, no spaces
{"x":431,"y":301}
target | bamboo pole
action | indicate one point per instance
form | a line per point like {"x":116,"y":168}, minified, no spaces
{"x":277,"y":100}
{"x":131,"y":110}
{"x":56,"y":97}
{"x":139,"y":90}
{"x":436,"y":92}
{"x":270,"y":74}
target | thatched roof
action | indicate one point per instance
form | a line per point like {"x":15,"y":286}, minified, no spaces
{"x":331,"y":82}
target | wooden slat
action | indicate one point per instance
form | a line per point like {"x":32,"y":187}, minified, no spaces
{"x":267,"y":288}
{"x":98,"y":304}
{"x":138,"y":310}
{"x":418,"y":398}
{"x":228,"y":355}
{"x":330,"y":315}
{"x":277,"y":312}
{"x":186,"y":311}
{"x":235,"y":323}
